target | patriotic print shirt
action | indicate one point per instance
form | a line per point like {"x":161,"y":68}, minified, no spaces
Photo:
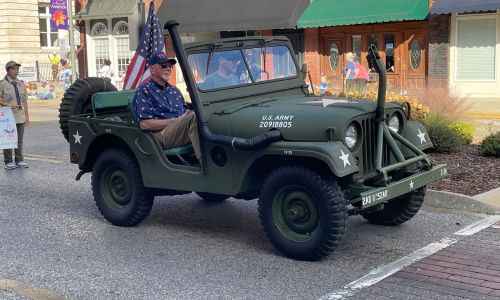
{"x":153,"y":101}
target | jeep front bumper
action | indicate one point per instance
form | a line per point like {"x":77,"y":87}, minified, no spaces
{"x":401,"y":187}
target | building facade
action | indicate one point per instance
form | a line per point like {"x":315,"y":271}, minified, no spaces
{"x":26,"y":37}
{"x":399,"y":30}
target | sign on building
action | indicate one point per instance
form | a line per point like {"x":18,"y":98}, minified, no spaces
{"x":58,"y":14}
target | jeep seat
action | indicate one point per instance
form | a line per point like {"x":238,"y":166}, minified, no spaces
{"x":175,"y":151}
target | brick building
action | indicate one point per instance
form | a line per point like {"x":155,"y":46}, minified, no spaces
{"x":465,"y":46}
{"x":399,"y":29}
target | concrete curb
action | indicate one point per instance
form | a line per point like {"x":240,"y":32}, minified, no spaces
{"x":448,"y":200}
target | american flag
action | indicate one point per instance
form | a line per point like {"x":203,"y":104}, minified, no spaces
{"x":151,"y":43}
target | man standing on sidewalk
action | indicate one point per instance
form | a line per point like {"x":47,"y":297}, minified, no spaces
{"x":13,"y":94}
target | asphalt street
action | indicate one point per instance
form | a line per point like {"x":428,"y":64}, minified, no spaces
{"x":53,"y":238}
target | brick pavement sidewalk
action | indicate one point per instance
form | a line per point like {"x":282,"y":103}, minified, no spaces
{"x":468,"y":269}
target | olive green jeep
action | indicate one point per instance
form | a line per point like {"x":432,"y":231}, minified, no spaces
{"x":310,"y":160}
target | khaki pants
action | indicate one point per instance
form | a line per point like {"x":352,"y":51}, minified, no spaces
{"x":7,"y":153}
{"x":182,"y":132}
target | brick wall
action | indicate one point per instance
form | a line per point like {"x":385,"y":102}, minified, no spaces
{"x":439,"y":49}
{"x":311,"y":48}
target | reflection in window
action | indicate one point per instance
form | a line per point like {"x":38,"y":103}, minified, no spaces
{"x":415,"y":54}
{"x":389,"y":51}
{"x":223,"y":69}
{"x":372,"y":40}
{"x":334,"y":57}
{"x":356,"y":47}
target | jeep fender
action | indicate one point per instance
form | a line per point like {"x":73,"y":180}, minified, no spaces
{"x":416,"y":134}
{"x":334,"y":154}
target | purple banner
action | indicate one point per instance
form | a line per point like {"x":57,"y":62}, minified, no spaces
{"x":58,"y":14}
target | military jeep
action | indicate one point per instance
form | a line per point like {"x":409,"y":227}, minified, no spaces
{"x":311,"y":161}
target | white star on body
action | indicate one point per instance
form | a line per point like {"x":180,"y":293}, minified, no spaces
{"x":411,"y":184}
{"x":421,"y":135}
{"x":78,"y":138}
{"x":327,"y":102}
{"x":345,"y":158}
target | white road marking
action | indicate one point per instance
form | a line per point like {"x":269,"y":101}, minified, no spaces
{"x":51,"y":159}
{"x":28,"y":291}
{"x":478,"y":226}
{"x":382,"y":272}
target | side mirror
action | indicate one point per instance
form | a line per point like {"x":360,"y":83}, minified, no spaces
{"x":303,"y":70}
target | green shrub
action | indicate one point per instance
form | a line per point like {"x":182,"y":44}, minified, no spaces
{"x":444,"y":138}
{"x":464,"y":129}
{"x":490,"y":146}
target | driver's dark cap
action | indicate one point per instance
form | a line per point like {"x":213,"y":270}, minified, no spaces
{"x":160,"y":58}
{"x":229,"y":55}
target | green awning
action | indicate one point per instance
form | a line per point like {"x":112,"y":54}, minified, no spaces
{"x":322,"y":13}
{"x":96,"y":9}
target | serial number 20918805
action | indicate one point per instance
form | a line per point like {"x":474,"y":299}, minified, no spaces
{"x":275,"y":124}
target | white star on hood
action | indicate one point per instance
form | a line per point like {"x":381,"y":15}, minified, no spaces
{"x":345,"y":158}
{"x":421,"y":135}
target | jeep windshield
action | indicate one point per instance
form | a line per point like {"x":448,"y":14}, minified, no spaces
{"x":232,"y":68}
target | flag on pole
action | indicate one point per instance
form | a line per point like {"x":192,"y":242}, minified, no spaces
{"x":151,"y":42}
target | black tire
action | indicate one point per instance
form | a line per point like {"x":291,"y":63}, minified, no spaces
{"x":212,"y":197}
{"x":302,"y":212}
{"x":118,"y":189}
{"x":76,"y":100}
{"x":398,"y":210}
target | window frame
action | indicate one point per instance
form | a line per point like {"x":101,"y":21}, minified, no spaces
{"x":456,"y":37}
{"x":46,"y":18}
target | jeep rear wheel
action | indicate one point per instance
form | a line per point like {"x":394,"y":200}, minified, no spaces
{"x":302,"y":212}
{"x":77,"y":99}
{"x":212,"y":197}
{"x":118,"y":189}
{"x":398,"y":210}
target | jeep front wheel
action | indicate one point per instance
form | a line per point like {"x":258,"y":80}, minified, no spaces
{"x":118,"y":189}
{"x":302,"y":212}
{"x":398,"y":210}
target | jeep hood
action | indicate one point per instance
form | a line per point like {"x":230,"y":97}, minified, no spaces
{"x":298,"y":118}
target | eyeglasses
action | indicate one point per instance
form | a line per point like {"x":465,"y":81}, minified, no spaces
{"x":167,"y":66}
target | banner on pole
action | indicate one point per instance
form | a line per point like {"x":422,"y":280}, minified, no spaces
{"x":8,"y":131}
{"x":58,"y":14}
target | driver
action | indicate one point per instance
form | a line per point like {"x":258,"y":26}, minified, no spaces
{"x":225,"y":74}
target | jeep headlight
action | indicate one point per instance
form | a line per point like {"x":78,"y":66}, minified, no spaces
{"x":351,"y":136}
{"x":394,"y":123}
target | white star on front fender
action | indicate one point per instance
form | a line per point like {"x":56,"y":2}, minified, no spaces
{"x":411,"y":184}
{"x":421,"y":135}
{"x":345,"y":158}
{"x":77,"y":138}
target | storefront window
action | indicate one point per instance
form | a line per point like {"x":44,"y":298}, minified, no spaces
{"x":334,"y":57}
{"x":372,"y":40}
{"x":415,"y":54}
{"x":356,"y":47}
{"x":476,"y":49}
{"x":389,"y":51}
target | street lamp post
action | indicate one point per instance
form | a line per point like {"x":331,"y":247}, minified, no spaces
{"x":71,"y":41}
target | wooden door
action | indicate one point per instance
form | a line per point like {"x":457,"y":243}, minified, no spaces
{"x":414,"y":65}
{"x":332,"y":61}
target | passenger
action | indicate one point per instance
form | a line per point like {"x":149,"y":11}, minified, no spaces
{"x":161,"y":109}
{"x":225,"y":74}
